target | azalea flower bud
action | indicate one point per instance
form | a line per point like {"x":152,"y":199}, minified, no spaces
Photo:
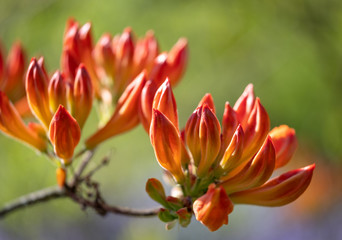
{"x":212,"y":208}
{"x":209,"y":137}
{"x":64,"y":133}
{"x":207,"y":100}
{"x":124,"y":51}
{"x":191,"y":135}
{"x":61,"y":176}
{"x":83,"y":94}
{"x":146,"y":50}
{"x":58,"y":90}
{"x":159,"y":70}
{"x":167,"y":145}
{"x":77,"y":49}
{"x":37,"y":92}
{"x":105,"y":57}
{"x":165,"y":102}
{"x":278,"y":191}
{"x":285,"y":143}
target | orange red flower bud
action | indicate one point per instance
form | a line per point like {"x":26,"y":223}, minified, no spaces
{"x":77,"y":49}
{"x":209,"y":137}
{"x":168,"y":146}
{"x":64,"y":134}
{"x":146,"y":50}
{"x":37,"y":92}
{"x":58,"y":90}
{"x":83,"y":94}
{"x":191,"y":135}
{"x":165,"y":102}
{"x":105,"y":57}
{"x":212,"y":209}
{"x":278,"y":191}
{"x":208,"y":100}
{"x":285,"y":143}
{"x":124,"y":52}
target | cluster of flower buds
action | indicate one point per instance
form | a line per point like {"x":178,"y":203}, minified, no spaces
{"x":49,"y":100}
{"x":216,"y":167}
{"x":213,"y":166}
{"x":115,"y":71}
{"x":125,"y":74}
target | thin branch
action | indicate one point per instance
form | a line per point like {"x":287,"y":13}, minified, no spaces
{"x":51,"y":193}
{"x":74,"y":192}
{"x":32,"y":199}
{"x":82,"y":167}
{"x":103,"y":208}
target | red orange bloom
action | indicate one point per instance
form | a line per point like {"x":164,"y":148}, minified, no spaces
{"x":239,"y":158}
{"x":212,"y":208}
{"x":64,"y":134}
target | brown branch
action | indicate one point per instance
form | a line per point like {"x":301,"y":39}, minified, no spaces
{"x":51,"y":193}
{"x":32,"y":199}
{"x":74,"y":190}
{"x":82,"y":167}
{"x":103,"y":208}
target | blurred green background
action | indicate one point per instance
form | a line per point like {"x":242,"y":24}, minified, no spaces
{"x":290,"y":50}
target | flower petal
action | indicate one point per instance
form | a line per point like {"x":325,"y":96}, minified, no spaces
{"x":285,"y":143}
{"x":212,"y":208}
{"x":165,"y":102}
{"x":167,"y":144}
{"x":256,"y":172}
{"x":64,"y":133}
{"x":278,"y":191}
